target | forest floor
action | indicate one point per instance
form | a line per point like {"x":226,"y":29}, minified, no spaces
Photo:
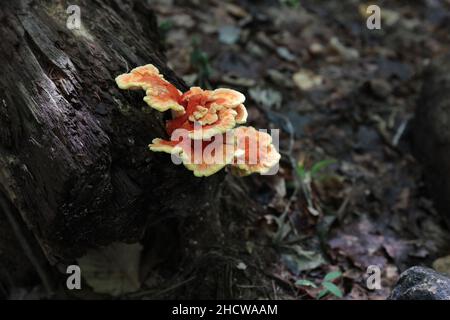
{"x":349,"y":194}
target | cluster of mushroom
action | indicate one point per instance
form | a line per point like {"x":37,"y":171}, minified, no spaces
{"x":203,"y":126}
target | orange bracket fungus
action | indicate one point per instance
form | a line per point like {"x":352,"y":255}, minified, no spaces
{"x":203,"y":132}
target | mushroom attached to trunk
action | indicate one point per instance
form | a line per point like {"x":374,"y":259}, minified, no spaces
{"x":202,"y":129}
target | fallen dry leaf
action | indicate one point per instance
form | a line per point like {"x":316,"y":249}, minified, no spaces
{"x":306,"y":79}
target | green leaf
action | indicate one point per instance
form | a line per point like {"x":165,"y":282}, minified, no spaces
{"x":301,"y":171}
{"x":332,"y":275}
{"x":291,"y":3}
{"x":200,"y":62}
{"x":322,"y":294}
{"x":165,"y":26}
{"x":298,"y":259}
{"x":114,"y":269}
{"x":305,"y":283}
{"x":332,"y":288}
{"x":321,"y":165}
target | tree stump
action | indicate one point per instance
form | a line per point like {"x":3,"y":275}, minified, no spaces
{"x":74,"y":161}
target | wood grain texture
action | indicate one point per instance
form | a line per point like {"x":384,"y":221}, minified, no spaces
{"x":74,"y":159}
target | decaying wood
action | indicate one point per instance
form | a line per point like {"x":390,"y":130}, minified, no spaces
{"x":74,"y":160}
{"x":431,"y":132}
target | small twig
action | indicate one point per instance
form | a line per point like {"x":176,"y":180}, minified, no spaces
{"x":341,"y":211}
{"x":159,"y":293}
{"x":274,"y":290}
{"x":382,"y":131}
{"x":286,"y":285}
{"x":296,"y":240}
{"x":293,"y":163}
{"x":401,"y":129}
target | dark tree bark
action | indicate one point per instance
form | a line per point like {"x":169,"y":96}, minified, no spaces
{"x":431,"y":132}
{"x":74,"y":161}
{"x":75,"y":169}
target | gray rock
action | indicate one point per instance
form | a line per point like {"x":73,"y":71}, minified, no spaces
{"x":419,"y":283}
